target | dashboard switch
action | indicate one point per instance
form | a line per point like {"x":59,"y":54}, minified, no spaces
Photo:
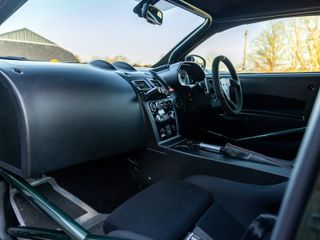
{"x":155,"y":93}
{"x":164,"y":117}
{"x":153,"y":107}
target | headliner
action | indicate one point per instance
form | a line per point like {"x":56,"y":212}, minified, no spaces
{"x":234,"y":10}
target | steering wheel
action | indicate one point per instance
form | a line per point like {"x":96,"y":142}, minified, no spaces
{"x":228,"y":90}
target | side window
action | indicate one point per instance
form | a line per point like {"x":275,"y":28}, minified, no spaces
{"x":284,"y":45}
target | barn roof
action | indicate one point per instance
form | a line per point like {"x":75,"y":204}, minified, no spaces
{"x":25,"y":35}
{"x":26,"y":43}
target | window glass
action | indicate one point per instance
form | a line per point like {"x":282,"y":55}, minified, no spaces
{"x":283,"y":45}
{"x":81,"y":31}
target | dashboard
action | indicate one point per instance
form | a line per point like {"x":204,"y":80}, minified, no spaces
{"x":55,"y":115}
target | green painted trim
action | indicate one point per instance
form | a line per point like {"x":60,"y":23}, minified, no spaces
{"x":41,"y":234}
{"x":37,"y":233}
{"x":71,"y":229}
{"x":69,"y":225}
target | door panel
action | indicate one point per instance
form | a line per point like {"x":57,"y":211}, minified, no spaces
{"x":274,"y":103}
{"x":275,"y":113}
{"x":286,"y":94}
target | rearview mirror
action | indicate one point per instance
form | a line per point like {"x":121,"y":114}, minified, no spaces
{"x":153,"y":15}
{"x":146,"y":10}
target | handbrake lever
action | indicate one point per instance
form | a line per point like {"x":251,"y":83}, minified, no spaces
{"x":238,"y":152}
{"x":210,"y":147}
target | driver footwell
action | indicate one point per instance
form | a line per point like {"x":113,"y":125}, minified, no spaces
{"x":28,"y":215}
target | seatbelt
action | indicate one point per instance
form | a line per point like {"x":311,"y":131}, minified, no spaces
{"x":260,"y":227}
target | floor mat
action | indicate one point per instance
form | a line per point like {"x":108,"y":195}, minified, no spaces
{"x":28,"y":215}
{"x":103,"y":184}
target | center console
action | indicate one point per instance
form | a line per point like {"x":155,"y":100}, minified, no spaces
{"x":164,"y":118}
{"x":184,"y":157}
{"x":158,"y":101}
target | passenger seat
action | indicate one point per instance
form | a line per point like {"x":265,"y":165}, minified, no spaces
{"x":174,"y":209}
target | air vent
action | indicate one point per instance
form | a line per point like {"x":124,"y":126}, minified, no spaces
{"x":141,"y":85}
{"x":156,"y":83}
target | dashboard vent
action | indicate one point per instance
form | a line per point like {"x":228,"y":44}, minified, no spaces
{"x":156,"y":83}
{"x":141,"y":85}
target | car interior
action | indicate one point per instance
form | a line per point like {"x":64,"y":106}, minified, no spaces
{"x":178,"y":150}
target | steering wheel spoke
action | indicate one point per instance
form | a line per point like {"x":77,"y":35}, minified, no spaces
{"x":234,"y":105}
{"x":226,"y":95}
{"x":235,"y":83}
{"x":229,"y":100}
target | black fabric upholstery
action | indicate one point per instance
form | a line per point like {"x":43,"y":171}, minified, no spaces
{"x":217,"y":222}
{"x":127,"y":235}
{"x":166,"y":210}
{"x":243,"y":202}
{"x":171,"y":209}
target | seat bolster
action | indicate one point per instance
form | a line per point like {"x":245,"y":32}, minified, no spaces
{"x":242,"y":200}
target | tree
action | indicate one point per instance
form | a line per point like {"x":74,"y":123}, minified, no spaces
{"x":312,"y":25}
{"x":268,"y":49}
{"x":291,"y":45}
{"x":296,"y":45}
{"x":117,"y":58}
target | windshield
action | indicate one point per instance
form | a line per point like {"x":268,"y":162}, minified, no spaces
{"x":81,"y":31}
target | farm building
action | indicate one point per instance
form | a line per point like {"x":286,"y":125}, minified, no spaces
{"x":28,"y":44}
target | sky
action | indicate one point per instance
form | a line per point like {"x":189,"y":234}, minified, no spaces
{"x":106,"y":28}
{"x":102,"y":28}
{"x":230,"y":43}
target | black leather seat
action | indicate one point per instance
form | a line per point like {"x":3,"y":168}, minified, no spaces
{"x":209,"y":206}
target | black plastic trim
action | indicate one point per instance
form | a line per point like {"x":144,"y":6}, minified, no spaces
{"x":71,"y":113}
